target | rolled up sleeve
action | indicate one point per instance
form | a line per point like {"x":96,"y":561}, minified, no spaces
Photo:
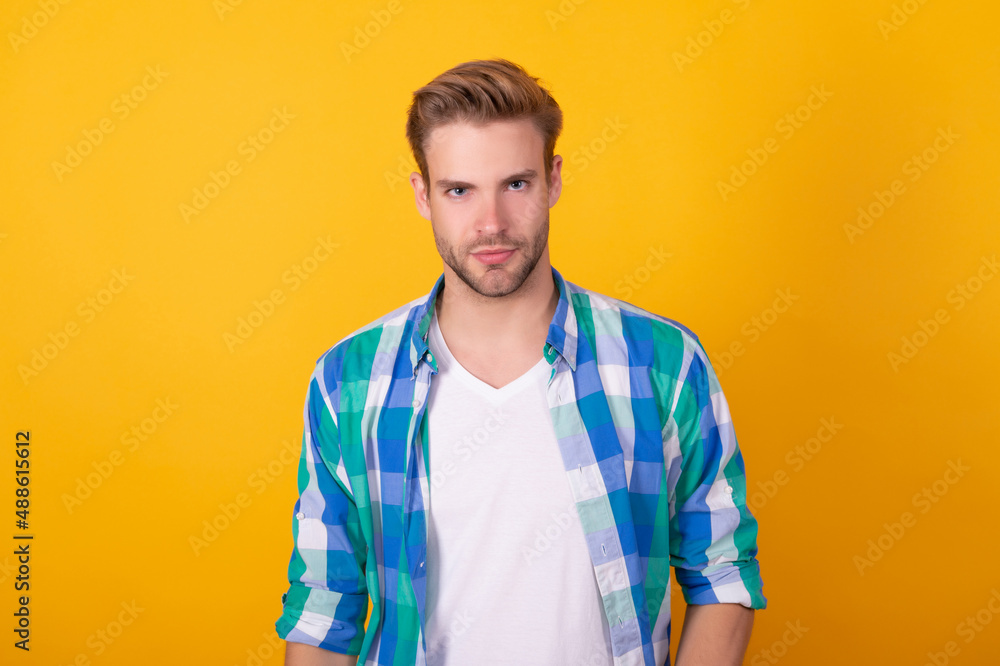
{"x":327,"y":600}
{"x":713,"y":535}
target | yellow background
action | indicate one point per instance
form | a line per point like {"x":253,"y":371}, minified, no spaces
{"x":330,"y":173}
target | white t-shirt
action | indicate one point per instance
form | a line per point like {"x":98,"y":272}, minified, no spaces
{"x":509,"y":576}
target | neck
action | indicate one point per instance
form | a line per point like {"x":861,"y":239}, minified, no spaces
{"x":519,"y":320}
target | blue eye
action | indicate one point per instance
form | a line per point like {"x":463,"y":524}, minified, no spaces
{"x":520,"y":181}
{"x":456,"y":189}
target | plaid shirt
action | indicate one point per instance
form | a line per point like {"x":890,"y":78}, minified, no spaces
{"x":650,"y":454}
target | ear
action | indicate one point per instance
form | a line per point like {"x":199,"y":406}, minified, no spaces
{"x":420,"y":195}
{"x":555,"y":180}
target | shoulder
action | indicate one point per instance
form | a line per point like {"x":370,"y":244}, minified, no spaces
{"x":357,"y":351}
{"x":645,"y":333}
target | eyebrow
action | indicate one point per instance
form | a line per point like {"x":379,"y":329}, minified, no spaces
{"x":446,"y":184}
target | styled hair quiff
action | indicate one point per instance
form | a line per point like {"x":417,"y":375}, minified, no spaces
{"x":480,"y":92}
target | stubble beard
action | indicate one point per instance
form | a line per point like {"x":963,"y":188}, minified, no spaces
{"x":492,"y":284}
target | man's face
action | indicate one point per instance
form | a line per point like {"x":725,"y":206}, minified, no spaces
{"x":488,"y":201}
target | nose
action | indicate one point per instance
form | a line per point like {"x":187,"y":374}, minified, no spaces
{"x":492,"y":217}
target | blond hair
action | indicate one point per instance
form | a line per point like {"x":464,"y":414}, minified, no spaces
{"x":482,"y":91}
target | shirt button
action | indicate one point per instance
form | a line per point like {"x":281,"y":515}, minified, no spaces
{"x":416,"y":403}
{"x":300,"y":515}
{"x":729,"y":490}
{"x":430,"y":357}
{"x":421,"y":565}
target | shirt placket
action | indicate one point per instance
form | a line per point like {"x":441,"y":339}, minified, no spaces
{"x":593,"y":507}
{"x":416,"y":455}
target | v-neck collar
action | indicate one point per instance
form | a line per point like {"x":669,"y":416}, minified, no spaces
{"x":562,"y":336}
{"x":448,"y":362}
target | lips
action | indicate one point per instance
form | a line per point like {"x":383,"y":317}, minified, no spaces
{"x":494,"y":255}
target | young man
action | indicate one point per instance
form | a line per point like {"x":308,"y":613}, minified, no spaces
{"x":509,"y":466}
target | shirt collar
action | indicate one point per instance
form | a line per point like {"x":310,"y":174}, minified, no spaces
{"x":561,"y":340}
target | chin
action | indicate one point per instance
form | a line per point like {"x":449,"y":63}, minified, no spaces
{"x":506,"y":283}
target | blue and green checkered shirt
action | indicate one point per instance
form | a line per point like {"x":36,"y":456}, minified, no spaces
{"x":650,"y":454}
